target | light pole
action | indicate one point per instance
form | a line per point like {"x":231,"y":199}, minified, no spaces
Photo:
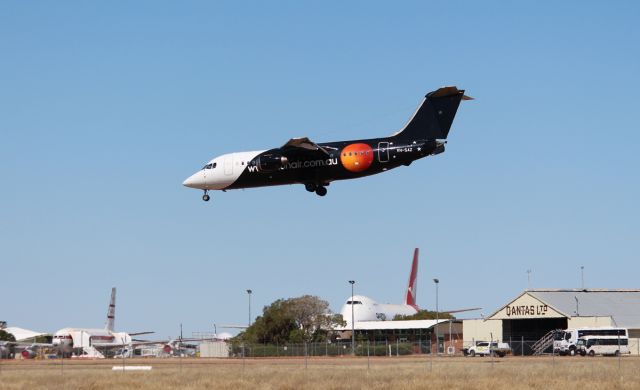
{"x":582,"y":275}
{"x":353,"y":325}
{"x":436,"y":281}
{"x":249,"y":293}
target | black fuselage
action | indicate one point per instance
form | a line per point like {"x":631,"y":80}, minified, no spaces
{"x":385,"y":154}
{"x":316,"y":165}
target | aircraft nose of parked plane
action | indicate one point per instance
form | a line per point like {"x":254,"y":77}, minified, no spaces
{"x":197,"y":180}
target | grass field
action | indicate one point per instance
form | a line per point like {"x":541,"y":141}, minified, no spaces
{"x":329,"y":373}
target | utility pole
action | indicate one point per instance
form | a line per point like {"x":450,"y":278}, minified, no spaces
{"x":353,"y":324}
{"x":249,"y":293}
{"x":437,"y":282}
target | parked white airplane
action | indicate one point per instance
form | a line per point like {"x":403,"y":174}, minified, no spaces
{"x":88,"y":342}
{"x":366,"y":309}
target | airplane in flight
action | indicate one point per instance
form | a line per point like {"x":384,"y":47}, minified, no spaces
{"x":316,"y":165}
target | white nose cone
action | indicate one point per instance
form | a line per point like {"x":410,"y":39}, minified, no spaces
{"x":196,"y":180}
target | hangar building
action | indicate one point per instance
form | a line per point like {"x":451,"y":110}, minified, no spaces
{"x":530,"y":317}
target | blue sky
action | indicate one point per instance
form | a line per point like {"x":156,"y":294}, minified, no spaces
{"x":105,"y":108}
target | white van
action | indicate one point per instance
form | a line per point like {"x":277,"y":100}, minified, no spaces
{"x":564,"y":341}
{"x":603,"y":345}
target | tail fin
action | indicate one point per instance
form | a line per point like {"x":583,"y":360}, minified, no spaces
{"x":111,"y":312}
{"x":412,"y":288}
{"x":433,"y":119}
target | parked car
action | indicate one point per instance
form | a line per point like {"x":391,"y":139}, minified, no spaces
{"x":485,"y":348}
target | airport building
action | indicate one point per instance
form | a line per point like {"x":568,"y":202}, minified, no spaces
{"x":529,"y":318}
{"x":417,"y":332}
{"x":214,"y":349}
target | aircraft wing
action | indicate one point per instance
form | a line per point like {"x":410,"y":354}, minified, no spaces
{"x":233,"y":326}
{"x":460,"y":310}
{"x":141,"y":333}
{"x":25,"y":344}
{"x":171,"y":341}
{"x":304,"y":144}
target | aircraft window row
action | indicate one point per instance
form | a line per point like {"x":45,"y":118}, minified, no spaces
{"x":354,"y":303}
{"x":210,"y":166}
{"x":213,"y":165}
{"x":356,"y":153}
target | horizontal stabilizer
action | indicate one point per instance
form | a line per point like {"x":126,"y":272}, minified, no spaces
{"x":449,"y":91}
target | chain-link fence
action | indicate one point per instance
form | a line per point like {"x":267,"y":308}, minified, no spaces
{"x":517,"y":347}
{"x":524,"y":347}
{"x":366,"y":348}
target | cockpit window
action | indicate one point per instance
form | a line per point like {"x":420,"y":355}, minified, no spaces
{"x":210,"y":166}
{"x":354,"y":303}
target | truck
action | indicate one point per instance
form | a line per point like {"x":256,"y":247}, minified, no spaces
{"x":485,"y":348}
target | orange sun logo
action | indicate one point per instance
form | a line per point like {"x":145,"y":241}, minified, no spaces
{"x":356,"y":157}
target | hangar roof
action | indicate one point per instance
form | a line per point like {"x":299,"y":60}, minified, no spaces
{"x":390,"y":325}
{"x":622,"y":305}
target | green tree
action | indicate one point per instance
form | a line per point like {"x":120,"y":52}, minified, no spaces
{"x":303,"y":319}
{"x":6,"y":336}
{"x":312,"y":317}
{"x":424,"y":315}
{"x":273,"y":326}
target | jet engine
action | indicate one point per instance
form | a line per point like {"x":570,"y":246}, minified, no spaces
{"x":270,"y":162}
{"x":28,"y":354}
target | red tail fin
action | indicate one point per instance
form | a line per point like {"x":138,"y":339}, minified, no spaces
{"x":412,"y":288}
